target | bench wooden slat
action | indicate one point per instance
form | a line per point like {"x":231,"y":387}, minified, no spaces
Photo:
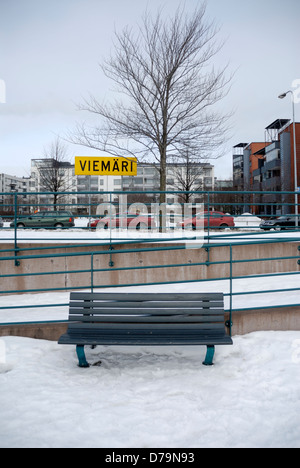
{"x":143,"y":337}
{"x":103,"y":333}
{"x":141,"y":312}
{"x":148,"y":318}
{"x":146,"y":296}
{"x":145,"y":304}
{"x":138,"y":325}
{"x":153,"y":341}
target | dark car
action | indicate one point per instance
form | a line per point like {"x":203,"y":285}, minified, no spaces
{"x":1,"y":222}
{"x":46,"y":219}
{"x":213,"y":219}
{"x":283,"y":222}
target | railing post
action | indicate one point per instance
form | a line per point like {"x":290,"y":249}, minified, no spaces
{"x":208,"y":215}
{"x":231,"y":291}
{"x":92,"y":272}
{"x":17,"y":263}
{"x":111,"y":263}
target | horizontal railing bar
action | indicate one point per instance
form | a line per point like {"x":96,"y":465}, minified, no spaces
{"x":33,"y":306}
{"x":224,"y":278}
{"x":154,"y":248}
{"x":248,"y":309}
{"x":32,"y":322}
{"x":147,"y":267}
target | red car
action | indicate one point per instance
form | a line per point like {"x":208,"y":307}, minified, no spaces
{"x":213,"y":219}
{"x":125,"y":220}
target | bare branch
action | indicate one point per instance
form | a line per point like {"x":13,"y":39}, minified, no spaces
{"x":50,"y":169}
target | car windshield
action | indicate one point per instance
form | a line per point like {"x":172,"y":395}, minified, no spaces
{"x":211,"y":214}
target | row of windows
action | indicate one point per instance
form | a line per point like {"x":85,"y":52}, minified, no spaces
{"x":83,"y":181}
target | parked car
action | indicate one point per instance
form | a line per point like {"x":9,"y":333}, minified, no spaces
{"x":283,"y":222}
{"x":46,"y":219}
{"x":1,"y":222}
{"x":213,"y":219}
{"x":125,"y":220}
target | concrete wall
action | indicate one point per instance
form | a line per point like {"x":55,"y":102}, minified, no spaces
{"x":131,"y":262}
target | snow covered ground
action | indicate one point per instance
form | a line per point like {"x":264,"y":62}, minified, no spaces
{"x":150,"y":397}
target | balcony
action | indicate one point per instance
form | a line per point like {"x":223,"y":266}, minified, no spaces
{"x":271,"y":166}
{"x":274,"y":184}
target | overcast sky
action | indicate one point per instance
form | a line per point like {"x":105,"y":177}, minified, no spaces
{"x":50,"y":53}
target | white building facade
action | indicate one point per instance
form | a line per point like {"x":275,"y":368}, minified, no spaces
{"x":76,"y":187}
{"x":9,"y":185}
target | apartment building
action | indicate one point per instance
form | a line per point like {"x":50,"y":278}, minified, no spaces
{"x":268,"y":167}
{"x":9,"y":185}
{"x":49,"y":175}
{"x":201,"y":177}
{"x":180,"y":177}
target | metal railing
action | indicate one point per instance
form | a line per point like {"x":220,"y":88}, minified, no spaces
{"x":111,"y":224}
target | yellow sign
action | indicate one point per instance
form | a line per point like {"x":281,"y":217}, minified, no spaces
{"x":90,"y":165}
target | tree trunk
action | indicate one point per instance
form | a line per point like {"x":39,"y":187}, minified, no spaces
{"x":163,"y":179}
{"x":162,"y":188}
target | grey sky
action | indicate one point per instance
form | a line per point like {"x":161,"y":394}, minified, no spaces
{"x":50,"y":54}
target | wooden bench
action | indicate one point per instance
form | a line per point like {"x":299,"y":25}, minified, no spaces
{"x":146,"y":319}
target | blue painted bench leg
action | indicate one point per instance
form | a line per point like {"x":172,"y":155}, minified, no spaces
{"x":209,"y":356}
{"x":81,"y":356}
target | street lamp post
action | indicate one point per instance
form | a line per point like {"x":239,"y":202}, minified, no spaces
{"x":282,"y":96}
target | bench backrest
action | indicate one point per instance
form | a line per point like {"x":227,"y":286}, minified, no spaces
{"x":158,"y":310}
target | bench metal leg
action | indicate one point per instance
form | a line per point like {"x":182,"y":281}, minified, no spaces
{"x":209,"y":356}
{"x":81,"y":356}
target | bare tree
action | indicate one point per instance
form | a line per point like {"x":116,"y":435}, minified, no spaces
{"x":170,"y":89}
{"x":51,"y":170}
{"x":188,"y":176}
